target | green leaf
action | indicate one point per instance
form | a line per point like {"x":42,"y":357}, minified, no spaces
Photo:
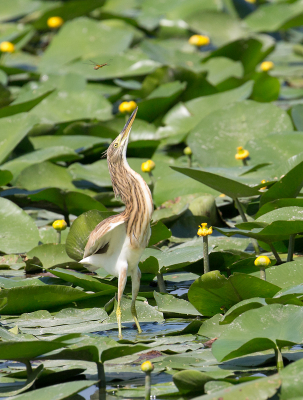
{"x":285,"y":275}
{"x":13,"y":223}
{"x":266,"y":87}
{"x":27,"y":350}
{"x":273,"y":17}
{"x":288,"y":186}
{"x":96,"y":349}
{"x":261,"y":329}
{"x":170,"y":184}
{"x":5,"y":177}
{"x":296,"y":113}
{"x":73,"y":202}
{"x":33,"y":376}
{"x":221,"y":68}
{"x":87,"y":282}
{"x":213,"y":292}
{"x":26,"y":106}
{"x":13,"y":129}
{"x":58,"y":153}
{"x":78,"y":143}
{"x":43,"y":175}
{"x":220,"y":183}
{"x":146,"y":313}
{"x":56,"y":392}
{"x":292,"y":381}
{"x":286,"y":146}
{"x":168,"y":304}
{"x":274,"y":226}
{"x":130,"y":63}
{"x":31,"y":298}
{"x":50,"y":254}
{"x":97,"y":173}
{"x":234,"y":125}
{"x":185,"y":116}
{"x":159,"y":101}
{"x":190,"y":381}
{"x":259,"y":389}
{"x":80,"y":230}
{"x":67,"y":45}
{"x":159,"y":232}
{"x":221,"y":27}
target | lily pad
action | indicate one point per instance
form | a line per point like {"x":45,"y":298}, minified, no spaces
{"x":258,"y":330}
{"x":168,"y":304}
{"x":212,"y":292}
{"x":14,"y":222}
{"x":245,"y":120}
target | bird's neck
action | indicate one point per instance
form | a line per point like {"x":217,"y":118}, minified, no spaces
{"x":136,"y":196}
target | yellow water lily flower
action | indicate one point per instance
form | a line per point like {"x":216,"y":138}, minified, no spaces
{"x":55,"y":22}
{"x":60,"y":225}
{"x":187,"y":151}
{"x":241,"y":153}
{"x":127,"y":107}
{"x":262,"y":261}
{"x":148,"y":166}
{"x":7,"y":47}
{"x":204,"y":231}
{"x":199,"y":40}
{"x":267,"y":66}
{"x":147,"y":366}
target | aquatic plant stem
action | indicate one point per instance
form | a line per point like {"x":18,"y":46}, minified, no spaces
{"x":152,"y":179}
{"x":147,"y":385}
{"x":101,"y":375}
{"x":244,"y":219}
{"x":279,"y":359}
{"x":262,"y":273}
{"x":291,"y":247}
{"x":274,"y":251}
{"x":205,"y":254}
{"x":58,"y":237}
{"x":189,"y":161}
{"x":244,"y":162}
{"x":161,"y":283}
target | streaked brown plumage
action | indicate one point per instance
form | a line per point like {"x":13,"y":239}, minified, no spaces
{"x":117,"y":243}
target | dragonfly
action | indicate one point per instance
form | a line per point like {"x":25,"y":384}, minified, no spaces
{"x":96,"y":65}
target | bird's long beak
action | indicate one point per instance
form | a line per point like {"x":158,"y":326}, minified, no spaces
{"x":127,"y":128}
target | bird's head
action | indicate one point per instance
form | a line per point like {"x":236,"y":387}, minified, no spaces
{"x":117,"y":149}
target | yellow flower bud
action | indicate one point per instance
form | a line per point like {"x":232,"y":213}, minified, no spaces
{"x":262,"y":261}
{"x":267,"y":66}
{"x":60,"y":225}
{"x":7,"y":47}
{"x":127,"y":107}
{"x":148,"y":166}
{"x":147,"y":366}
{"x":204,"y":231}
{"x":241,"y":153}
{"x":199,"y":40}
{"x":132,"y":105}
{"x":187,"y":151}
{"x":250,"y":1}
{"x":54,"y":22}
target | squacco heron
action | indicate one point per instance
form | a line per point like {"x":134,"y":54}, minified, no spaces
{"x":117,"y":243}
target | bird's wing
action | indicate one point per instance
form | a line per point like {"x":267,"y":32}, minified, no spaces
{"x":99,"y":237}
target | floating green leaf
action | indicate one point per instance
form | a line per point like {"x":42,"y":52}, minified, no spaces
{"x":260,"y":329}
{"x":212,"y":292}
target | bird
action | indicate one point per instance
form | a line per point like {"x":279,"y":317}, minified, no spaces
{"x":117,"y":242}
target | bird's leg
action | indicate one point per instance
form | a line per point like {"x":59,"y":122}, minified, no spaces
{"x":136,"y":276}
{"x":121,"y":286}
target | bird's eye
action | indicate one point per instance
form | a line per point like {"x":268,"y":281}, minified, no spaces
{"x":115,"y":144}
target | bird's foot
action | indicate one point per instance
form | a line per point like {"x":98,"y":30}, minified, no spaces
{"x":134,"y":314}
{"x":119,"y":314}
